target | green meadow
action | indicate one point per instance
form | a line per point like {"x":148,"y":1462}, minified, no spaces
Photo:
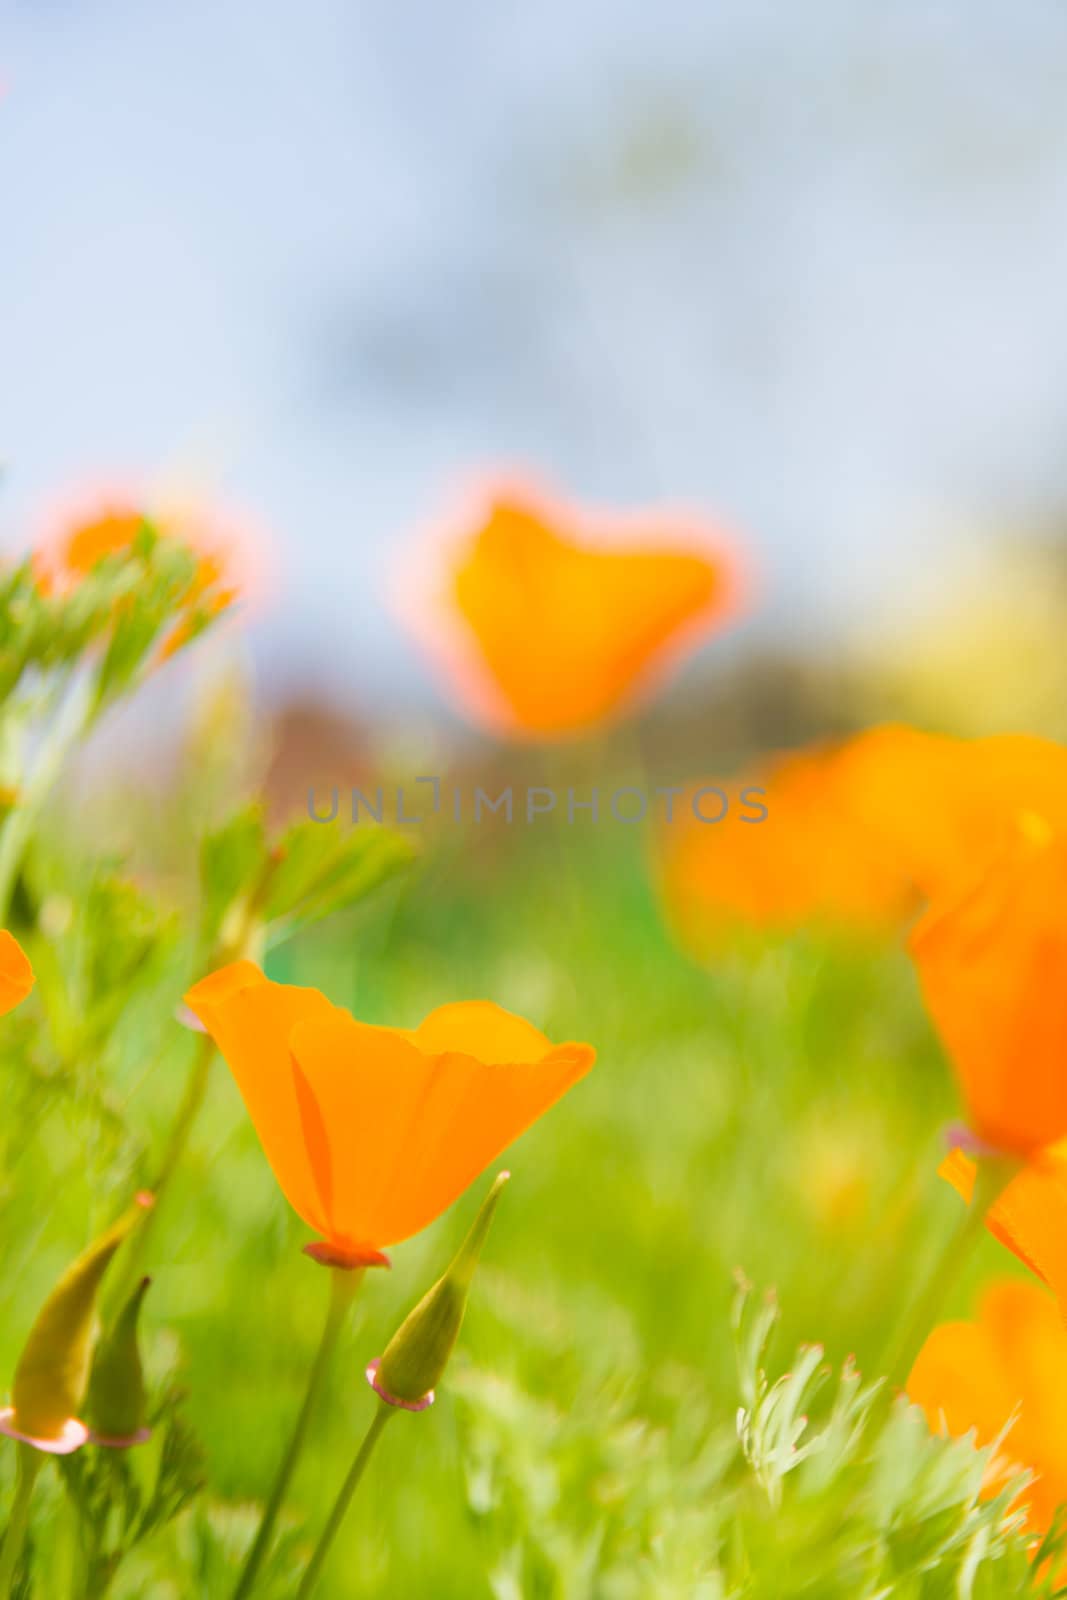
{"x":776,"y":1113}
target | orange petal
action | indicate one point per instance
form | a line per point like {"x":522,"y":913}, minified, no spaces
{"x":992,"y":964}
{"x":1011,"y":1362}
{"x":935,"y":809}
{"x":960,"y":1171}
{"x":16,"y":974}
{"x":1028,"y":1329}
{"x":205,"y":997}
{"x":179,"y":637}
{"x":252,"y":1021}
{"x":111,"y":529}
{"x":1001,"y":778}
{"x":1030,"y":1217}
{"x":810,"y":860}
{"x":961,"y":1383}
{"x":565,"y":632}
{"x":939,"y":807}
{"x":901,"y":788}
{"x":545,"y":631}
{"x":481,"y":1029}
{"x":403,"y":1133}
{"x":101,"y":521}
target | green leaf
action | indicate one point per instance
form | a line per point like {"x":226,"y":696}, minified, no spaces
{"x":322,"y":868}
{"x":232,"y":861}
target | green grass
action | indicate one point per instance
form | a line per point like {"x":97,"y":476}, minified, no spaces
{"x":779,"y":1112}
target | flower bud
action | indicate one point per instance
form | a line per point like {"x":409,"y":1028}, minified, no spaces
{"x":417,"y":1354}
{"x":53,"y":1370}
{"x":117,"y":1403}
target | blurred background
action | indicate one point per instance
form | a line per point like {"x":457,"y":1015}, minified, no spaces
{"x":800,"y":268}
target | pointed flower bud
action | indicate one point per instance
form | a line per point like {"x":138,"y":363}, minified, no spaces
{"x":53,"y":1370}
{"x":117,"y":1404}
{"x":418,"y":1353}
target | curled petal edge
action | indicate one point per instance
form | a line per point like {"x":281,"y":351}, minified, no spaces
{"x":335,"y":1255}
{"x":71,"y":1437}
{"x":391,"y":1399}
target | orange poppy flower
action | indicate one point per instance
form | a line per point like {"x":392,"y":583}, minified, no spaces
{"x":16,"y":974}
{"x":992,"y":964}
{"x":811,"y":858}
{"x":85,"y":531}
{"x":1010,"y":1363}
{"x":372,"y":1132}
{"x":550,"y":621}
{"x":90,"y":534}
{"x":859,"y":832}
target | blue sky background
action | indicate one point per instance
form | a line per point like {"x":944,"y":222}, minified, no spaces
{"x":803,"y":266}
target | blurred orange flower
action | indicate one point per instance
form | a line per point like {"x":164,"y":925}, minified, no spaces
{"x":86,"y":529}
{"x":372,"y":1132}
{"x":16,"y":974}
{"x":551,"y":621}
{"x":992,"y":964}
{"x":811,"y":859}
{"x":940,"y":807}
{"x":1011,"y":1362}
{"x":859,"y":832}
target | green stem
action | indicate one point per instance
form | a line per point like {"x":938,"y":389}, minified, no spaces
{"x":236,"y":948}
{"x":196,"y":1087}
{"x":29,"y":1466}
{"x":75,"y":1558}
{"x":991,"y":1179}
{"x":344,"y":1500}
{"x":243,"y":940}
{"x":343,"y":1287}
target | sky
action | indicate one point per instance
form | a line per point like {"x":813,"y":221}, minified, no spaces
{"x":800,"y":267}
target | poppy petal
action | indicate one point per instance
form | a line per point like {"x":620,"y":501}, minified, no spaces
{"x":992,"y":962}
{"x":482,"y":1109}
{"x":1004,"y":1370}
{"x":1030,"y":1217}
{"x":251,"y":1021}
{"x":16,"y":974}
{"x":409,"y":1131}
{"x":939,"y":807}
{"x":812,"y":858}
{"x":567,"y":631}
{"x":205,"y":998}
{"x":548,"y":619}
{"x":960,"y":1381}
{"x":482,"y":1029}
